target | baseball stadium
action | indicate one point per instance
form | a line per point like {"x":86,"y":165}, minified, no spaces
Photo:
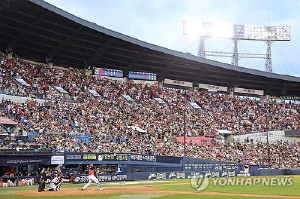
{"x":89,"y":112}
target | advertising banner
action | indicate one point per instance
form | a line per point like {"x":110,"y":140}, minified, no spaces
{"x":35,"y":160}
{"x":198,"y":140}
{"x":57,"y":159}
{"x":182,"y":175}
{"x":109,"y":157}
{"x":178,"y":83}
{"x":140,"y":157}
{"x":249,"y":91}
{"x":113,"y":157}
{"x":89,"y":156}
{"x":73,"y":157}
{"x":213,"y":87}
{"x":102,"y":178}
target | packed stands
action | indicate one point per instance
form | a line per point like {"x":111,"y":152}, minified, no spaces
{"x":77,"y":121}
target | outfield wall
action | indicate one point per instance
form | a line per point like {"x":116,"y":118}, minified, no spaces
{"x":143,"y":167}
{"x":271,"y":172}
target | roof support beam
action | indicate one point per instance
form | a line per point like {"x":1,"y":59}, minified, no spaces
{"x":16,"y":20}
{"x":52,"y":54}
{"x":235,"y":80}
{"x":39,"y":43}
{"x":283,"y":90}
{"x":214,"y":82}
{"x":75,"y":52}
{"x":33,"y":49}
{"x":104,"y":60}
{"x":4,"y":5}
{"x":181,"y":77}
{"x":4,"y":40}
{"x":133,"y":62}
{"x":269,"y":87}
{"x":17,"y":40}
{"x":23,"y":13}
{"x":100,"y":52}
{"x":111,"y":66}
{"x":6,"y":34}
{"x":71,"y":58}
{"x":166,"y":69}
{"x":200,"y":76}
{"x":67,"y":63}
{"x":82,"y":47}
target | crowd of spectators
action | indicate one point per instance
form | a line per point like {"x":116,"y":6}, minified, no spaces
{"x":78,"y":121}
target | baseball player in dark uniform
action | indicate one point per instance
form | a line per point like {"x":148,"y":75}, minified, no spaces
{"x":5,"y":180}
{"x":41,"y":180}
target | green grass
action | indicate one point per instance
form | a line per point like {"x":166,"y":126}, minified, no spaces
{"x":166,"y":189}
{"x":293,"y":190}
{"x":181,"y":196}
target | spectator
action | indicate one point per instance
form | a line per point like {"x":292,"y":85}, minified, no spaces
{"x":78,"y":122}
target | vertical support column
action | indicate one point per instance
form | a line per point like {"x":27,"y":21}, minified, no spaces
{"x":201,"y":47}
{"x":231,"y":92}
{"x":268,"y":64}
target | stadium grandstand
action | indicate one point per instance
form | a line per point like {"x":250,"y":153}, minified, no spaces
{"x":68,"y":85}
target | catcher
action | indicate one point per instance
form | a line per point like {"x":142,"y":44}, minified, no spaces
{"x":55,"y":183}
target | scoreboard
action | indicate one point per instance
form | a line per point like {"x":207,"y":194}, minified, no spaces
{"x":142,"y":75}
{"x":108,"y":72}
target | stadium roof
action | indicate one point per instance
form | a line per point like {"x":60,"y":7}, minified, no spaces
{"x":36,"y":30}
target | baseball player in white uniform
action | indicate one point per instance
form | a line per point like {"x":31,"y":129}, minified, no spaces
{"x":92,"y":178}
{"x":246,"y":168}
{"x":55,"y":183}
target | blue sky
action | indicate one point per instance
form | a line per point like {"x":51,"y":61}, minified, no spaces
{"x":160,"y":22}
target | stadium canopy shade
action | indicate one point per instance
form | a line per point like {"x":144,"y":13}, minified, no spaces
{"x":36,"y":30}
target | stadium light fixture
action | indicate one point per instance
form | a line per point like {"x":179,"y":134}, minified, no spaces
{"x":236,"y":31}
{"x":192,"y":27}
{"x":207,"y":29}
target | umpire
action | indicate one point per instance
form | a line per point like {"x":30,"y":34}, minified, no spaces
{"x":41,"y":180}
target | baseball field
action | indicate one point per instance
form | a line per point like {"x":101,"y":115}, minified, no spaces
{"x":159,"y":189}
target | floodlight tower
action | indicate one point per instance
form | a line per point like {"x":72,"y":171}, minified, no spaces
{"x":236,"y":32}
{"x":269,"y":57}
{"x":235,"y":54}
{"x":201,"y":47}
